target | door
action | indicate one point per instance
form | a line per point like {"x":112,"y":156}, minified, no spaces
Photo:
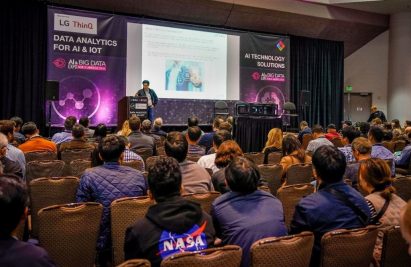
{"x":357,"y":106}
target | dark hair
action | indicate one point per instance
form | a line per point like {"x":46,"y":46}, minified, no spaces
{"x":7,"y":127}
{"x":408,"y":123}
{"x":226,"y":152}
{"x":377,"y":173}
{"x":192,"y":121}
{"x":110,"y":148}
{"x":377,"y":133}
{"x":13,"y":201}
{"x":317,"y":129}
{"x":242,"y":175}
{"x":220,"y":136}
{"x":176,"y":146}
{"x":146,"y":81}
{"x":364,"y":127}
{"x":84,"y":121}
{"x":69,"y":122}
{"x":291,"y":144}
{"x":134,"y":123}
{"x":100,"y":131}
{"x":124,"y":139}
{"x":29,"y":128}
{"x":348,"y":123}
{"x":350,"y":133}
{"x":164,"y":178}
{"x":331,"y":126}
{"x":396,"y":123}
{"x":77,"y":131}
{"x":329,"y":163}
{"x":387,"y":135}
{"x":387,"y":126}
{"x":18,"y":121}
{"x":194,"y":133}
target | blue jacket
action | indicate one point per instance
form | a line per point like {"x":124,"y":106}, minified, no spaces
{"x":154,"y":97}
{"x":403,"y":160}
{"x":243,"y":219}
{"x":303,"y":132}
{"x":322,"y":212}
{"x":106,"y":183}
{"x":206,"y":140}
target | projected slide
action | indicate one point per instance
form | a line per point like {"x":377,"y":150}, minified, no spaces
{"x":185,"y":63}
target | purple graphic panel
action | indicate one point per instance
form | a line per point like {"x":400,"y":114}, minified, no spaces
{"x":87,"y":55}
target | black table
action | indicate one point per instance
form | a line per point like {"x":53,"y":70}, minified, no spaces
{"x":251,"y":132}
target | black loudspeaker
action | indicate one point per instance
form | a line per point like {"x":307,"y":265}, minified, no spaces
{"x":305,"y":98}
{"x":52,"y":90}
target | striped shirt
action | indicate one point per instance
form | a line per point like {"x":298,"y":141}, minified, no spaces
{"x":130,"y":156}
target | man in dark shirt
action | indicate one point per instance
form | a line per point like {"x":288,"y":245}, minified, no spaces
{"x":137,"y":138}
{"x":335,"y":205}
{"x":13,"y":210}
{"x":206,"y":139}
{"x":375,"y":113}
{"x":304,"y":129}
{"x":193,"y":135}
{"x":173,"y":224}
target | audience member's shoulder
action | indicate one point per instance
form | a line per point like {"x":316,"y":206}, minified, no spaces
{"x":31,"y":254}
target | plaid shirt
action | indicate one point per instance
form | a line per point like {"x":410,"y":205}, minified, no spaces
{"x":130,"y":156}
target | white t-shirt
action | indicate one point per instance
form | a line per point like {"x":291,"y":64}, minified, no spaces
{"x":207,"y":161}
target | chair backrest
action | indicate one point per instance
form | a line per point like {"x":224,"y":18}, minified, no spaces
{"x":403,"y":187}
{"x":290,"y":195}
{"x":274,"y":157}
{"x":69,"y":233}
{"x":145,"y":153}
{"x":150,"y":161}
{"x":299,"y":174}
{"x":46,"y":192}
{"x":348,"y":247}
{"x":40,"y":155}
{"x":272,"y":175}
{"x":44,"y":168}
{"x":257,"y":157}
{"x":293,"y":250}
{"x":135,"y":164}
{"x":306,"y":139}
{"x":388,"y":145}
{"x":124,"y":213}
{"x":394,"y":248}
{"x":69,"y":155}
{"x":337,"y":142}
{"x":204,"y":199}
{"x":227,"y":256}
{"x":135,"y":263}
{"x":399,"y":145}
{"x":78,"y":166}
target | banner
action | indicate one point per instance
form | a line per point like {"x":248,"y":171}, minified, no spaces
{"x":87,"y":55}
{"x":264,"y":69}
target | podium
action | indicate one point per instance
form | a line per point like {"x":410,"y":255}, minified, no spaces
{"x":131,"y":105}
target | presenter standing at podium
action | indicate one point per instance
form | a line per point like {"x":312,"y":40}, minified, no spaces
{"x":151,"y":96}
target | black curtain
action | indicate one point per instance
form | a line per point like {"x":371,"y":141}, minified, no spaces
{"x":317,"y":66}
{"x":23,"y":52}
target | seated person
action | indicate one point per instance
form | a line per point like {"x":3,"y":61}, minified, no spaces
{"x":385,"y":205}
{"x":376,"y":136}
{"x":206,"y":139}
{"x":304,"y":129}
{"x":319,"y":140}
{"x":274,"y":143}
{"x":157,"y":124}
{"x":128,"y":154}
{"x":18,"y":136}
{"x":13,"y":209}
{"x":292,"y":153}
{"x":66,"y":135}
{"x":405,"y":223}
{"x":78,"y":142}
{"x":13,"y":153}
{"x":108,"y":182}
{"x":361,"y":149}
{"x":226,"y":152}
{"x":332,"y":132}
{"x":402,"y":159}
{"x":246,"y":214}
{"x":139,"y":140}
{"x":125,"y":129}
{"x":34,"y":141}
{"x":195,"y":178}
{"x":10,"y":167}
{"x":349,"y":133}
{"x":208,"y":161}
{"x":85,"y":121}
{"x":146,"y":129}
{"x":173,"y":224}
{"x":193,"y":136}
{"x":191,"y":122}
{"x":335,"y":205}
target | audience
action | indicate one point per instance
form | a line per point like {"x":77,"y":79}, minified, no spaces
{"x":385,"y":205}
{"x":195,"y":178}
{"x":274,"y":143}
{"x":332,"y":132}
{"x":78,"y":142}
{"x":226,"y":153}
{"x":13,"y":209}
{"x":396,"y":124}
{"x":137,"y":139}
{"x":208,"y":161}
{"x":405,"y":223}
{"x":376,"y":114}
{"x":319,"y":140}
{"x":12,"y":153}
{"x":193,"y":135}
{"x":158,"y":123}
{"x":237,"y":219}
{"x":407,"y":127}
{"x":335,"y":205}
{"x":375,"y":136}
{"x":173,"y":224}
{"x":10,"y":167}
{"x":146,"y":129}
{"x":100,"y":132}
{"x":85,"y":121}
{"x":292,"y":153}
{"x":402,"y":160}
{"x":364,"y":129}
{"x":108,"y":182}
{"x":346,"y":124}
{"x":128,"y":154}
{"x":125,"y":129}
{"x":361,"y":150}
{"x":349,"y":133}
{"x":304,"y":129}
{"x":191,"y":122}
{"x":206,"y":139}
{"x":66,"y":135}
{"x":18,"y":123}
{"x":34,"y":141}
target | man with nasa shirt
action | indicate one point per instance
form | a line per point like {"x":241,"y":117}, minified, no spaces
{"x":173,"y":224}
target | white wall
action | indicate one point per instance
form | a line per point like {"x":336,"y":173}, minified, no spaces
{"x":367,"y":70}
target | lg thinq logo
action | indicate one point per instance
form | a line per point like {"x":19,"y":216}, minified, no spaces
{"x":68,"y":23}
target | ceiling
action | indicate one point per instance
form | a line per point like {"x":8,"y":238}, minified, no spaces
{"x":331,"y":22}
{"x":376,"y":6}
